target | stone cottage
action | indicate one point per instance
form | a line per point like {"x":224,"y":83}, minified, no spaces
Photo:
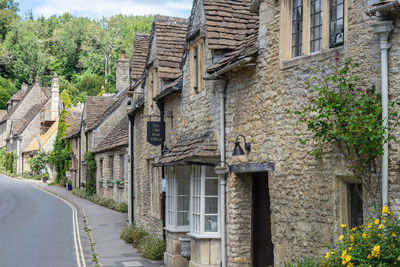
{"x":73,"y":120}
{"x":112,"y":163}
{"x":270,"y":201}
{"x":30,"y":113}
{"x":162,"y":67}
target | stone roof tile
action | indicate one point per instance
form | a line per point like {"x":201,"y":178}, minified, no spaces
{"x":20,"y":125}
{"x":140,"y":51}
{"x":73,"y":121}
{"x":203,"y":147}
{"x":117,"y":137}
{"x":170,"y":34}
{"x":95,"y":107}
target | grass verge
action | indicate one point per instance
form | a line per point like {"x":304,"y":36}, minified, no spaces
{"x":108,"y":203}
{"x":148,"y":246}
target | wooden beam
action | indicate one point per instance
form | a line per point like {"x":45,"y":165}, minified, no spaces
{"x":252,"y":167}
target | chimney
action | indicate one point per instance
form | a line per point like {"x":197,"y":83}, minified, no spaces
{"x":24,"y":86}
{"x":55,"y":97}
{"x":122,"y":73}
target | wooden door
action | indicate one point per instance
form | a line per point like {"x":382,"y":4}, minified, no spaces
{"x":262,"y":247}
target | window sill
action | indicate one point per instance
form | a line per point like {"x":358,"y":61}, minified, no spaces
{"x":176,"y":230}
{"x":204,"y":236}
{"x":316,"y":56}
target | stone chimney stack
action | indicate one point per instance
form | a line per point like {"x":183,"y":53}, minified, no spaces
{"x":122,"y":75}
{"x":24,"y":86}
{"x":55,"y":97}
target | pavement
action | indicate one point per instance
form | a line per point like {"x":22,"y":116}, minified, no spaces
{"x":105,"y":228}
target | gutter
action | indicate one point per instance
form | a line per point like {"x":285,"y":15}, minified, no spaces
{"x":384,"y":8}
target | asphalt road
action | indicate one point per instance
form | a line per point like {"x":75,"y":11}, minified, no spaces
{"x":36,"y":229}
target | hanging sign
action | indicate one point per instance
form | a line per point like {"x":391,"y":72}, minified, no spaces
{"x":156,"y":132}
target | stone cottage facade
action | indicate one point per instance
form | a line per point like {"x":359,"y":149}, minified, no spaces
{"x":30,"y":113}
{"x":162,"y":67}
{"x":244,"y":69}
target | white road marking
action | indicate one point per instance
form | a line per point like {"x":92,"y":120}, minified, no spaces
{"x":77,"y":237}
{"x":131,"y":263}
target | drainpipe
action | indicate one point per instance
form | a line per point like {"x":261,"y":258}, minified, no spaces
{"x":383,"y":29}
{"x":222,"y":176}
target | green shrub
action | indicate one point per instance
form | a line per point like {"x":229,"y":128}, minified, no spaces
{"x":375,"y":243}
{"x":153,"y":248}
{"x":108,"y":203}
{"x":128,"y":233}
{"x":305,"y":262}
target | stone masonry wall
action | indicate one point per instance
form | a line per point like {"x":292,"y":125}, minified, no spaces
{"x":115,"y":193}
{"x":303,"y":190}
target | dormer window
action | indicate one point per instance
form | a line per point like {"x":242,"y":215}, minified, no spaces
{"x":196,"y":65}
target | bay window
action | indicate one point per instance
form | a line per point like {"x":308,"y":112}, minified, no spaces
{"x":192,"y":200}
{"x":204,"y":202}
{"x":178,"y":193}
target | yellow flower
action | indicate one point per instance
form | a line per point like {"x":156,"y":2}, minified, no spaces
{"x":385,"y":210}
{"x":350,"y":264}
{"x":364,"y":235}
{"x":327,"y":255}
{"x":370,"y":225}
{"x":348,"y":258}
{"x":380,"y":235}
{"x":369,"y":256}
{"x":351,"y":239}
{"x":341,"y":237}
{"x":342,"y":225}
{"x":380,"y":226}
{"x":394,"y":235}
{"x":375,"y":251}
{"x":398,"y":258}
{"x":377,"y":221}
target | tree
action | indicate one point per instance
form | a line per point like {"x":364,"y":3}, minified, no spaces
{"x":346,"y":113}
{"x":8,"y":14}
{"x":93,"y":84}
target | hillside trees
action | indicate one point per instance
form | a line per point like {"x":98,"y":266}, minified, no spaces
{"x":79,"y":50}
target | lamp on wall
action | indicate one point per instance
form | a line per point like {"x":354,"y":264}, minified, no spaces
{"x":238,"y":151}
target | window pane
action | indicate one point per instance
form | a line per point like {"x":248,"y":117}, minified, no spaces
{"x":183,"y":187}
{"x":210,"y":172}
{"x":183,"y":203}
{"x":211,"y":223}
{"x":211,"y":187}
{"x":211,"y":205}
{"x":183,"y":218}
{"x":297,"y":27}
{"x":336,"y":25}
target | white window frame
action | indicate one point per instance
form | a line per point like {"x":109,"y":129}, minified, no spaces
{"x":201,"y":233}
{"x":171,"y":212}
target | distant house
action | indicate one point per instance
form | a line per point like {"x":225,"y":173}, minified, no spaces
{"x":30,"y":113}
{"x":73,"y":120}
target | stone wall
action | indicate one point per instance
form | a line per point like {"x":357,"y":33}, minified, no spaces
{"x":305,"y":192}
{"x":114,"y":192}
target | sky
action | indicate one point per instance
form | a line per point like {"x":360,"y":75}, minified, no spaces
{"x":96,"y":9}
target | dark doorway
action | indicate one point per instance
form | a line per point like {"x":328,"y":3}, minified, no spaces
{"x":262,"y":247}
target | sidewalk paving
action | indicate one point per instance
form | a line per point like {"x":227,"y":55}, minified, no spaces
{"x":106,"y":226}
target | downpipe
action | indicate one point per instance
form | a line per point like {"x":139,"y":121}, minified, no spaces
{"x":383,"y":29}
{"x":222,"y":176}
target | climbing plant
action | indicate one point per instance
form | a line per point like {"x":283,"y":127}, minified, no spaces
{"x":10,"y":162}
{"x":60,"y":156}
{"x":347,"y":113}
{"x":90,"y":173}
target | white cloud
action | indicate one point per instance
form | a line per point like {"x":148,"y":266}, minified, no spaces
{"x":99,"y":8}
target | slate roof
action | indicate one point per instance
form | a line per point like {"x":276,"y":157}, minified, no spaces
{"x":170,"y":35}
{"x":170,"y":88}
{"x":246,"y":48}
{"x":140,"y":51}
{"x":227,"y":22}
{"x":73,"y":121}
{"x":18,"y":126}
{"x":95,"y":107}
{"x":117,"y":137}
{"x":19,"y":95}
{"x":110,"y":109}
{"x":201,"y":147}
